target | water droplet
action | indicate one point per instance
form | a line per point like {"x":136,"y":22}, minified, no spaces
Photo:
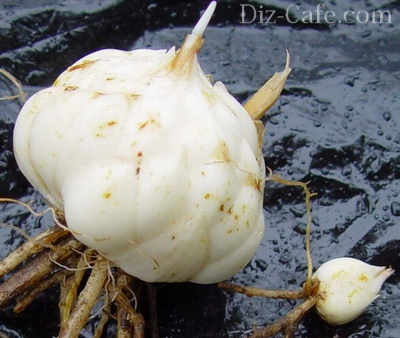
{"x":395,"y":208}
{"x":387,"y":116}
{"x":298,"y":212}
{"x":350,"y":81}
{"x":300,"y":229}
{"x":366,"y":33}
{"x":317,"y":124}
{"x":284,"y":102}
{"x":340,"y":227}
{"x":261,"y":264}
{"x":285,"y":258}
{"x":350,"y":108}
{"x":273,"y":120}
{"x":397,"y":139}
{"x":380,"y":132}
{"x":325,"y":171}
{"x":346,"y":171}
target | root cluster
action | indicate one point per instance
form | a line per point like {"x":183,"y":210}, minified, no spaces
{"x":53,"y":258}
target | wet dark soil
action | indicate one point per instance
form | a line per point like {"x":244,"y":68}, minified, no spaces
{"x":336,"y":125}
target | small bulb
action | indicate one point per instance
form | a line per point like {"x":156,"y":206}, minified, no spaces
{"x":347,"y":287}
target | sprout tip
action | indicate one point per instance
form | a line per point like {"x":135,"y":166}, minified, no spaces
{"x":201,"y":25}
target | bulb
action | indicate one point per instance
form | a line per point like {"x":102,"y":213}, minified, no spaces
{"x":156,"y":168}
{"x":347,"y":286}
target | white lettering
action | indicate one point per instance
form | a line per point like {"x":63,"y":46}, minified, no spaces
{"x":308,"y":17}
{"x":318,"y":11}
{"x":243,"y":14}
{"x":332,"y":14}
{"x":381,"y":13}
{"x":366,"y":16}
{"x":288,"y":16}
{"x":270,"y":16}
{"x":345,"y":17}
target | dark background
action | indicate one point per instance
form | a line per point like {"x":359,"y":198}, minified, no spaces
{"x":336,"y":124}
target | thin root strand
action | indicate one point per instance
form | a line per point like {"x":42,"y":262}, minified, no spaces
{"x":286,"y":323}
{"x":256,"y":292}
{"x":86,"y":300}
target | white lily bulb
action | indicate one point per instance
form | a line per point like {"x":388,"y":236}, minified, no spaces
{"x":156,"y":168}
{"x":347,"y":286}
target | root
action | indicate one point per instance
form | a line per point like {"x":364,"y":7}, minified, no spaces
{"x":13,"y":79}
{"x":308,"y":284}
{"x":54,"y":279}
{"x":69,"y":292}
{"x":288,"y":323}
{"x":130,"y":322}
{"x":152,"y":295}
{"x":35,"y":271}
{"x":256,"y":292}
{"x":86,"y":300}
{"x":103,"y":321}
{"x":57,"y":215}
{"x":33,"y":246}
{"x":55,"y":257}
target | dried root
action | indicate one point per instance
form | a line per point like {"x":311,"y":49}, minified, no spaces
{"x":288,"y":323}
{"x":55,"y":257}
{"x":16,"y":83}
{"x":88,"y":297}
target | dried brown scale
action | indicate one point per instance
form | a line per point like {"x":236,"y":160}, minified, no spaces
{"x":36,"y":270}
{"x":266,"y":96}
